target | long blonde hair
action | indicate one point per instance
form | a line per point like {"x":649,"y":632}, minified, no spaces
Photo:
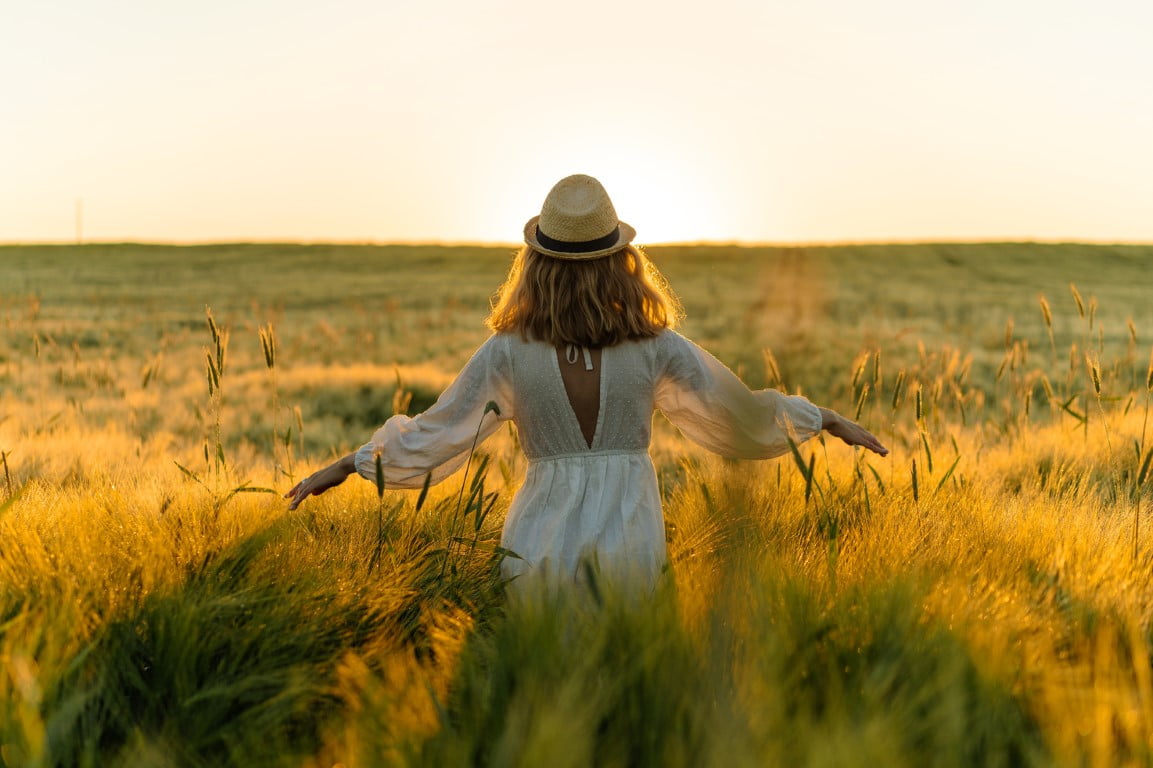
{"x":595,"y":303}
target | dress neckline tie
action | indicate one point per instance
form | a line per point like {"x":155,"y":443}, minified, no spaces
{"x":571,"y":355}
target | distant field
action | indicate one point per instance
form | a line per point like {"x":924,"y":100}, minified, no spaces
{"x":122,"y":308}
{"x":984,"y":596}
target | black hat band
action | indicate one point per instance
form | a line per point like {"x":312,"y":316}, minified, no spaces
{"x":608,"y":241}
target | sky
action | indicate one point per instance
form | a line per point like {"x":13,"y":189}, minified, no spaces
{"x":449,"y":120}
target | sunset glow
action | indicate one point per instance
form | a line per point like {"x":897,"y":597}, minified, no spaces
{"x":449,"y":121}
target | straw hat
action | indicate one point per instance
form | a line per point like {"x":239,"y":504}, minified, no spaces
{"x":577,"y":222}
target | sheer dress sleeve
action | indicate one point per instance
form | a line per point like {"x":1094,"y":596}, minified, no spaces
{"x":714,"y":408}
{"x":440,"y":439}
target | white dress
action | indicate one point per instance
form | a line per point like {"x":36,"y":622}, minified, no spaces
{"x":579,"y":501}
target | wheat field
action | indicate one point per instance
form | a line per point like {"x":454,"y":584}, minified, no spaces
{"x":983,"y":596}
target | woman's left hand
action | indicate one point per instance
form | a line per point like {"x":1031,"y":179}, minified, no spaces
{"x":319,"y":482}
{"x":850,"y":431}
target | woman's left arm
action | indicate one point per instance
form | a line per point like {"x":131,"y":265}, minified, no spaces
{"x":714,"y":408}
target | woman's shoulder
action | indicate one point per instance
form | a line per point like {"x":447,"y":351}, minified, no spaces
{"x":656,"y":351}
{"x":669,"y":342}
{"x":511,"y":348}
{"x":661,"y":338}
{"x":494,"y":350}
{"x":512,"y":341}
{"x":678,"y":355}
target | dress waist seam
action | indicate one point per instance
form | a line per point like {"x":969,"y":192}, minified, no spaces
{"x":589,"y":454}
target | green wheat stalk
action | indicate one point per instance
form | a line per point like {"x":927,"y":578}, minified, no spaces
{"x":215,"y":361}
{"x":268,"y":348}
{"x":379,"y":479}
{"x":490,"y":406}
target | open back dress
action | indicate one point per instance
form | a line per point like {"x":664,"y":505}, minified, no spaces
{"x":582,"y":499}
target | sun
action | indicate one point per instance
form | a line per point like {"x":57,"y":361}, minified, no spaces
{"x":662,"y":204}
{"x":666,"y":197}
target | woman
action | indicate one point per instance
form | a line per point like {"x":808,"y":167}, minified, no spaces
{"x":582,"y":353}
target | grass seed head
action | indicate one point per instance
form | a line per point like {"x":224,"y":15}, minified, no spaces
{"x":221,"y":350}
{"x":861,"y":401}
{"x":401,"y":401}
{"x":899,"y":385}
{"x":268,"y":346}
{"x":1046,"y":312}
{"x":1094,"y":374}
{"x":1144,"y":473}
{"x":916,"y":488}
{"x":1077,"y":298}
{"x":213,"y":375}
{"x":859,"y":368}
{"x":212,"y":327}
{"x":772,"y":370}
{"x":7,"y":476}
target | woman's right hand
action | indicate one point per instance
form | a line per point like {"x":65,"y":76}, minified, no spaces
{"x":850,"y":432}
{"x":319,"y":482}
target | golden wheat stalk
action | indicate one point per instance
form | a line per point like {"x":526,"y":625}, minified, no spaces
{"x":268,"y":346}
{"x":1077,"y":298}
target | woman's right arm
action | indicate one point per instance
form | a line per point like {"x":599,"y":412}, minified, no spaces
{"x":440,"y":440}
{"x":437,"y":442}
